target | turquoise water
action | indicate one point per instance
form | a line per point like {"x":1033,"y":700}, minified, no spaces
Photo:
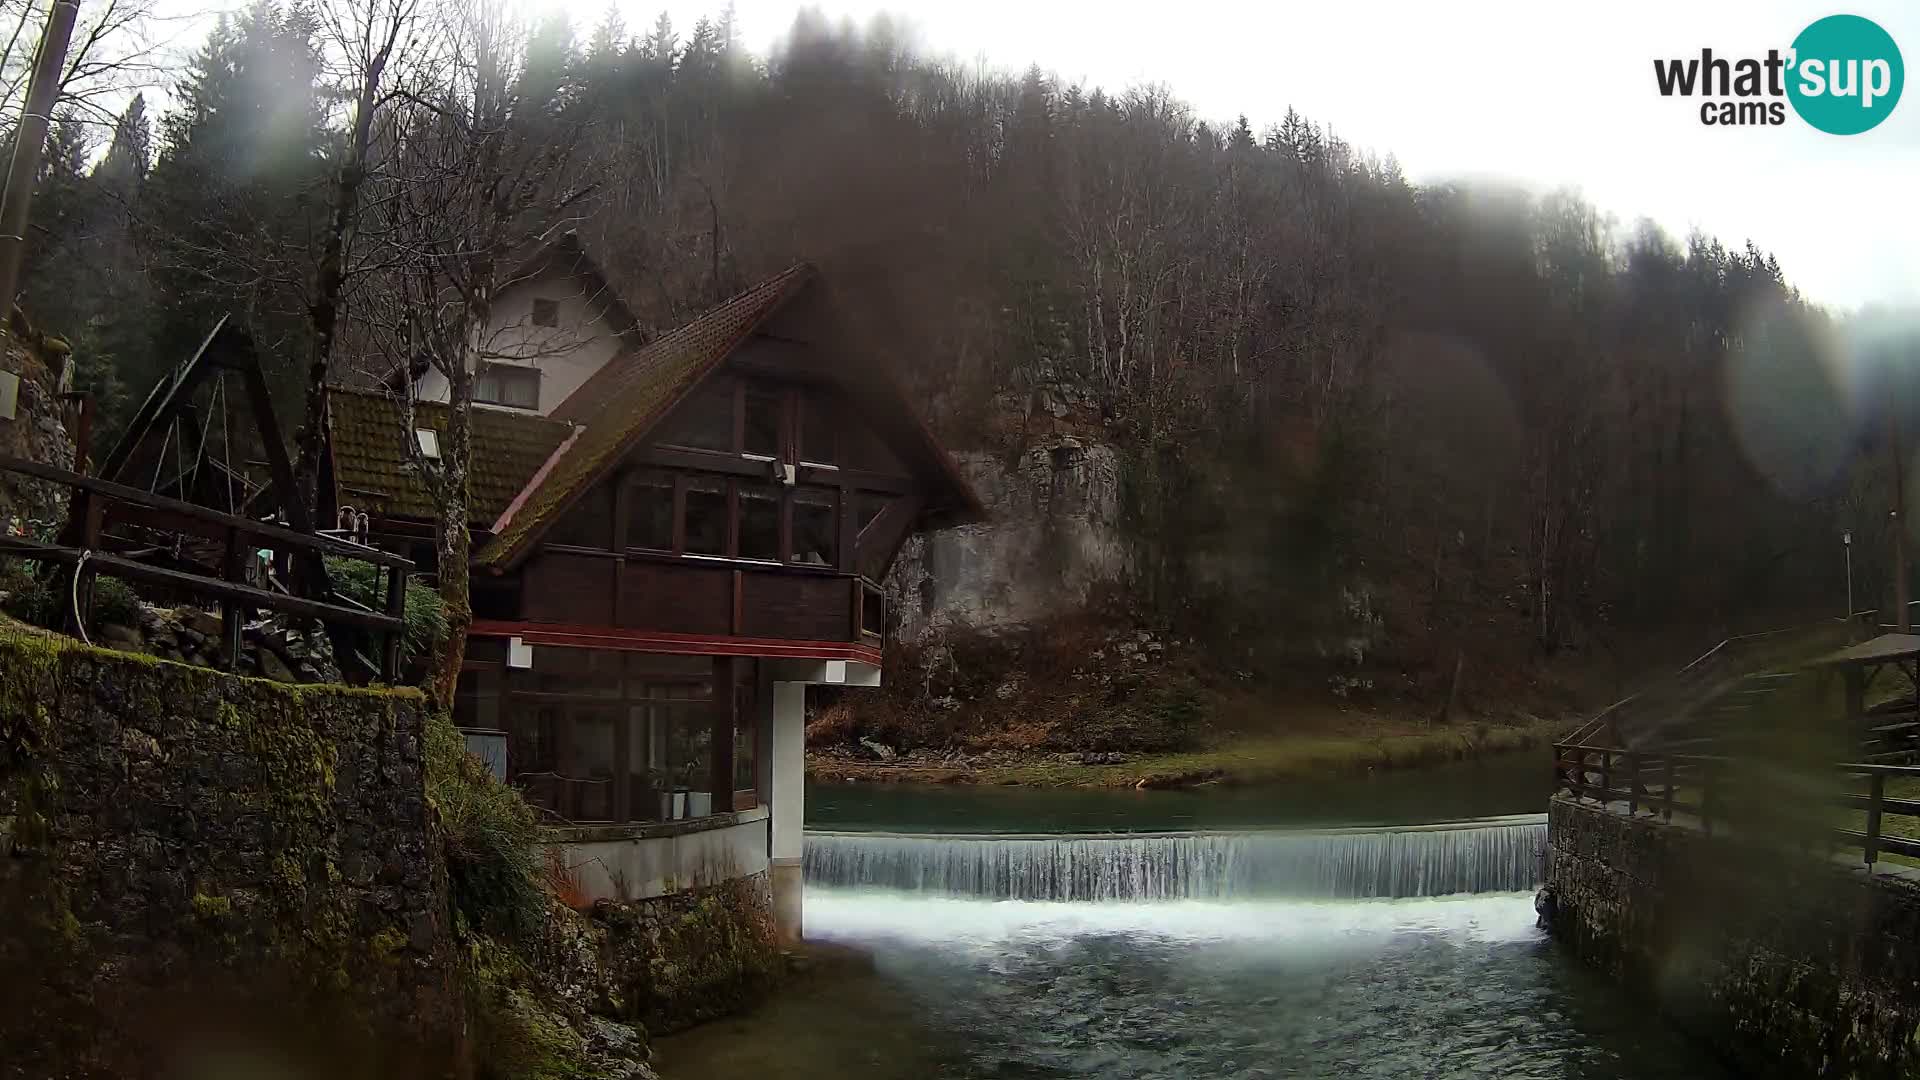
{"x":1508,"y":784}
{"x":1245,"y":933}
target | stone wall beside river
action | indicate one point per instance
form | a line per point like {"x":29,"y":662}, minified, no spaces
{"x":194,"y":864}
{"x":1783,"y":962}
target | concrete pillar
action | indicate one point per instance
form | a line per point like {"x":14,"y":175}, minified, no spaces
{"x":788,"y":804}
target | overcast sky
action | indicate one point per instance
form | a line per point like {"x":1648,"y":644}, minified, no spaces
{"x":1542,"y":93}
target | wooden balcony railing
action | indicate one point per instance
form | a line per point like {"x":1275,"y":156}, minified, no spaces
{"x":99,"y":503}
{"x":1706,"y":786}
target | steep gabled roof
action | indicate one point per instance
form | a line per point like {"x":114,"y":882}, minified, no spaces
{"x":565,"y":253}
{"x":624,"y":399}
{"x":373,"y":466}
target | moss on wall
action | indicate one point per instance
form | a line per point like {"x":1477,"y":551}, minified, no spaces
{"x":677,"y":960}
{"x":172,"y":830}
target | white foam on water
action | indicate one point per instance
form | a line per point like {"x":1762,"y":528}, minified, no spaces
{"x":875,"y":916}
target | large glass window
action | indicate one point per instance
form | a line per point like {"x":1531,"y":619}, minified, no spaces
{"x":759,"y":520}
{"x":706,"y":517}
{"x":705,"y":420}
{"x":819,"y":433}
{"x":597,"y":736}
{"x":589,"y":523}
{"x":765,"y":413}
{"x":650,"y":511}
{"x":816,"y":526}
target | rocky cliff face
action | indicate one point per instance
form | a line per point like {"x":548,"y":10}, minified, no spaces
{"x":1051,"y":540}
{"x":35,"y":432}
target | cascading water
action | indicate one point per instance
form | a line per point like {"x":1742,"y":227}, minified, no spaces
{"x":1497,"y":855}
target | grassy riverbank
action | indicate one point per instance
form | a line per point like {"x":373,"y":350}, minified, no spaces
{"x":1237,"y":759}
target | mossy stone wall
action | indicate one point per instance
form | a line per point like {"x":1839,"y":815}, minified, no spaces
{"x":188,"y":857}
{"x":1786,"y":963}
{"x":668,"y":962}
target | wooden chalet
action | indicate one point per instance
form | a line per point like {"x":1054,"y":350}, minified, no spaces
{"x":666,"y":556}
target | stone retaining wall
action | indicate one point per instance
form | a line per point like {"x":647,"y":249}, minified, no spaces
{"x":1786,"y":963}
{"x":190,"y":861}
{"x":667,"y":962}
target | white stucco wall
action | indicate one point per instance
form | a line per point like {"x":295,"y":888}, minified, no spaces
{"x":566,"y":355}
{"x":608,"y":866}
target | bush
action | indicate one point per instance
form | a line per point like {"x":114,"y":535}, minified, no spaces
{"x":426,"y":620}
{"x":491,"y":838}
{"x":114,"y":601}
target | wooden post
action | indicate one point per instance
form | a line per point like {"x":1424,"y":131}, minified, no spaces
{"x":93,"y":509}
{"x":1633,"y":783}
{"x":232,"y":615}
{"x":396,"y":607}
{"x":726,"y":706}
{"x":1877,"y":790}
{"x":1666,"y":809}
{"x":1606,"y":777}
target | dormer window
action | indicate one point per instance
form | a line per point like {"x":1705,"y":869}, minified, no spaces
{"x":507,"y":384}
{"x":546,"y":313}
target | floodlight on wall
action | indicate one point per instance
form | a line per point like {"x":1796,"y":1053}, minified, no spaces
{"x":9,"y":395}
{"x":519,"y":654}
{"x":429,"y":440}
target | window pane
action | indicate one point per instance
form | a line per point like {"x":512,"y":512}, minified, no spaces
{"x":590,"y":774}
{"x":505,"y":384}
{"x":531,"y":742}
{"x":650,"y":512}
{"x":744,"y":776}
{"x":817,"y":430}
{"x":521,"y":389}
{"x":759,"y":521}
{"x":689,"y":764}
{"x":546,"y":313}
{"x":589,"y":523}
{"x":763,"y":422}
{"x":873,"y":611}
{"x":476,"y":700}
{"x":646,"y":765}
{"x":706,"y":517}
{"x":816,"y":526}
{"x":704,"y":421}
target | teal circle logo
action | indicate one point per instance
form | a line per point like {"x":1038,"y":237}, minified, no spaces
{"x":1847,"y":75}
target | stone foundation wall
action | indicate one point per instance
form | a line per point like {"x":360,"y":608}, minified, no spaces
{"x":191,"y":861}
{"x":1788,"y":964}
{"x":667,"y":962}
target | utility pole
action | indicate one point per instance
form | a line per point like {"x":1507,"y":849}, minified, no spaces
{"x":29,"y":140}
{"x":1846,"y":544}
{"x":1903,"y":622}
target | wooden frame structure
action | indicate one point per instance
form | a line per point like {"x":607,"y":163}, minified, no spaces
{"x":98,"y":504}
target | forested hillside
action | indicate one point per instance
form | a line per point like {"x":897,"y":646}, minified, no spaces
{"x":1415,"y":441}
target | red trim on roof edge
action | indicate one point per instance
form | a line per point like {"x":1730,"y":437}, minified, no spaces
{"x":575,"y":636}
{"x":533,"y":483}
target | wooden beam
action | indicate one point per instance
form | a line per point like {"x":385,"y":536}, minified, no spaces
{"x":667,"y":457}
{"x":880,"y":541}
{"x":265,"y":530}
{"x":116,"y":566}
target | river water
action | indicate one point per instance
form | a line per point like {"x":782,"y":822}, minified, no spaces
{"x":1060,"y":946}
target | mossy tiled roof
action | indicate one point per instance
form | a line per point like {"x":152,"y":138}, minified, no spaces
{"x":374,"y":469}
{"x":624,"y":399}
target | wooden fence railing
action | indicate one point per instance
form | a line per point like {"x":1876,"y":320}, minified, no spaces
{"x":1665,"y":784}
{"x":97,"y":504}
